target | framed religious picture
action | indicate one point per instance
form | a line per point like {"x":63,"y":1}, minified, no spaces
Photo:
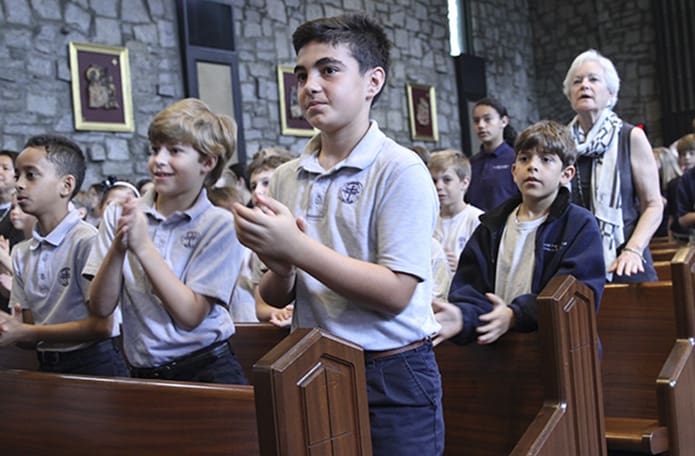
{"x":292,"y":122}
{"x":422,"y":112}
{"x":101,"y":96}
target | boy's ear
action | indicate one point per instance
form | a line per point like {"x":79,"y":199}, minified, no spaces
{"x":67,"y":185}
{"x":375,"y":81}
{"x":567,"y":174}
{"x":209,"y":162}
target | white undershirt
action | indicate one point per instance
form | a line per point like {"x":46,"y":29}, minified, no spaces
{"x":516,"y":257}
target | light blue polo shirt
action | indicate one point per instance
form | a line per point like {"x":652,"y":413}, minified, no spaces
{"x":377,"y":205}
{"x":201,"y":248}
{"x":47,"y":276}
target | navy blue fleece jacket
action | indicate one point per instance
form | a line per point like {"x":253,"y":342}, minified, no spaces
{"x":568,"y":242}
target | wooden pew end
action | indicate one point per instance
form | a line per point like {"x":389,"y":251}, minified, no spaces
{"x":636,"y":435}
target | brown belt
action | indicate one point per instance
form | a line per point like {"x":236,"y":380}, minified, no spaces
{"x":395,"y":351}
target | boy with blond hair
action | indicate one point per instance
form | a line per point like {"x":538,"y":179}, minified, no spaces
{"x":348,"y":237}
{"x":49,"y":295}
{"x":451,"y":173}
{"x":170,"y":258}
{"x":523,"y":243}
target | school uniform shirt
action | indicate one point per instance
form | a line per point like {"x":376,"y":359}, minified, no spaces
{"x":47,"y":276}
{"x":567,"y":242}
{"x":200,"y":246}
{"x":243,"y":303}
{"x":441,"y":272}
{"x":453,"y":232}
{"x":378,"y":205}
{"x":491,"y":178}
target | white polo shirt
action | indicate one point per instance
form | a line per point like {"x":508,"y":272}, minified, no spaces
{"x":201,"y":248}
{"x":47,"y":276}
{"x":377,"y":205}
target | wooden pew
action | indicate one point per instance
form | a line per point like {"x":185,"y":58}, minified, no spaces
{"x":648,"y":374}
{"x":664,"y":253}
{"x":12,"y":357}
{"x":529,"y":393}
{"x":663,"y":270}
{"x":676,"y":382}
{"x":664,"y":242}
{"x":66,"y":414}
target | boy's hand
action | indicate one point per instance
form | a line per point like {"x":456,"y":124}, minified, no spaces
{"x":11,"y":326}
{"x":498,"y":321}
{"x":5,"y":281}
{"x":132,"y":225}
{"x":282,"y":317}
{"x":449,"y":316}
{"x":270,"y":230}
{"x":627,"y":263}
{"x":4,"y":245}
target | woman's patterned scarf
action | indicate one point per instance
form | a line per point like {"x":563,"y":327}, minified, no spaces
{"x":601,"y":144}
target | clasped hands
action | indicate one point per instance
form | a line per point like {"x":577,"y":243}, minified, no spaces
{"x":270,"y":230}
{"x":496,"y":322}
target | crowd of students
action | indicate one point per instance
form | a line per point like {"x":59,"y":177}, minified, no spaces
{"x":357,"y":235}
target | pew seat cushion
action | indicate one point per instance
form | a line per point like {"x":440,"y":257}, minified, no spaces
{"x":636,"y":435}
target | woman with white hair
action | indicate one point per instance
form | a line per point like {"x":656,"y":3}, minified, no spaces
{"x":617,"y":177}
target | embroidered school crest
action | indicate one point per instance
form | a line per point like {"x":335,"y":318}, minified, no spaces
{"x":64,"y":277}
{"x":190,"y":239}
{"x":350,"y":192}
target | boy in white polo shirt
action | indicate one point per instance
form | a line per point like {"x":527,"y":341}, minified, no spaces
{"x":48,"y":292}
{"x":359,"y":266}
{"x":171,"y":258}
{"x":451,"y":173}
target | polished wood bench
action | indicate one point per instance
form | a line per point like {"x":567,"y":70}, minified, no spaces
{"x":647,"y":368}
{"x":322,"y":376}
{"x":664,"y":253}
{"x":533,"y":393}
{"x":663,"y":270}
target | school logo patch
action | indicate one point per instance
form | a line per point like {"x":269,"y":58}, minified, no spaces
{"x":548,"y":247}
{"x":64,"y":277}
{"x":190,"y":239}
{"x":350,"y":192}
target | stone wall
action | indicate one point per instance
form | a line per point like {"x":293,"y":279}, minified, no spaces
{"x":527,"y":45}
{"x":418,"y":29}
{"x":623,"y":31}
{"x":502,"y":35}
{"x":35,"y":73}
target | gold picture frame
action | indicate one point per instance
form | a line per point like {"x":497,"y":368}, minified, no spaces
{"x":101,"y":93}
{"x":292,"y":121}
{"x":422,"y":112}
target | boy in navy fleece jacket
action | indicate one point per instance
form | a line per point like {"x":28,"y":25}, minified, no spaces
{"x":523,"y":243}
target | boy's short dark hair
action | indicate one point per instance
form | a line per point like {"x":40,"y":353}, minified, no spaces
{"x":66,"y":156}
{"x":364,"y":37}
{"x":551,"y":137}
{"x":9,"y":153}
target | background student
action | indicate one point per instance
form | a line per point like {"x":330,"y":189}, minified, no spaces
{"x":491,"y":177}
{"x":522,"y":244}
{"x":49,"y":294}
